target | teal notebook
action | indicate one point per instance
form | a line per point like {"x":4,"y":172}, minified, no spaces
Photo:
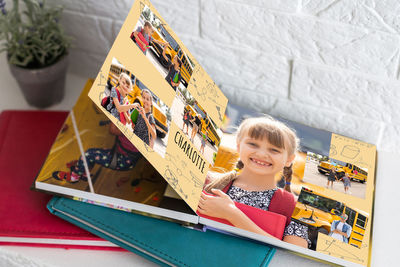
{"x":163,"y":242}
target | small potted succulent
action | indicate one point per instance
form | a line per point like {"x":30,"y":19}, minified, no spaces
{"x":37,"y":49}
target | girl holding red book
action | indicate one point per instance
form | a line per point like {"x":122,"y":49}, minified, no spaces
{"x":265,"y":147}
{"x":142,"y":37}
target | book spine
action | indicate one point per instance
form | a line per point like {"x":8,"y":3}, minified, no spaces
{"x":52,"y":203}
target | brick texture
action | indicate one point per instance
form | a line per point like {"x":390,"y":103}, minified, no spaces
{"x":329,"y":64}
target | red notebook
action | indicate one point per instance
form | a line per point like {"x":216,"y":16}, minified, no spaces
{"x":25,"y":140}
{"x":271,"y":222}
{"x":141,"y":37}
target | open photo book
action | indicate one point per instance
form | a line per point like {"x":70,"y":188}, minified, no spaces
{"x":154,"y":135}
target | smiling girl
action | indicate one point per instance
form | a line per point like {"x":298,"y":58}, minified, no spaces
{"x":119,"y":104}
{"x":145,"y":127}
{"x":265,"y":147}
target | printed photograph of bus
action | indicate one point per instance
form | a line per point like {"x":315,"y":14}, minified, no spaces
{"x":335,"y":175}
{"x":152,"y":37}
{"x":193,"y":120}
{"x":323,"y":215}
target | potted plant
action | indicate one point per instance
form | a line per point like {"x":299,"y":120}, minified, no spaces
{"x":37,"y":49}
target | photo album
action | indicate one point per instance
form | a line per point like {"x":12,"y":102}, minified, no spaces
{"x":153,"y":134}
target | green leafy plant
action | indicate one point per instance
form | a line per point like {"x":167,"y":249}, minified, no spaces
{"x":31,"y":35}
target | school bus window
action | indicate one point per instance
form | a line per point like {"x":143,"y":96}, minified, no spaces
{"x":213,"y":123}
{"x":319,"y":202}
{"x":306,"y":198}
{"x":361,"y":221}
{"x":140,"y":85}
{"x":169,"y":38}
{"x":362,"y":171}
{"x":203,"y":115}
{"x":339,"y":208}
{"x":191,"y":62}
{"x":352,"y":214}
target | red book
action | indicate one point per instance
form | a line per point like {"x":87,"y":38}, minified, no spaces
{"x":271,"y":222}
{"x":25,"y":140}
{"x":141,"y":37}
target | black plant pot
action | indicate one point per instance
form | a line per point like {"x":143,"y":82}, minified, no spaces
{"x":42,"y":87}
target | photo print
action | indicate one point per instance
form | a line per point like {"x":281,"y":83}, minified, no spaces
{"x":152,"y":36}
{"x":264,"y":146}
{"x":335,"y":175}
{"x":324,"y":215}
{"x":194,"y":122}
{"x":136,"y":107}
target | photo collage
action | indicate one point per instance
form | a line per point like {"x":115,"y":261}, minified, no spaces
{"x":154,"y":95}
{"x":140,"y":110}
{"x":153,"y":137}
{"x":296,"y":158}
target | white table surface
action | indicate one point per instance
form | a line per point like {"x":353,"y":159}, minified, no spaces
{"x":385,"y":240}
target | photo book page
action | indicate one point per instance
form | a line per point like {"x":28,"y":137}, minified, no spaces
{"x":153,"y":134}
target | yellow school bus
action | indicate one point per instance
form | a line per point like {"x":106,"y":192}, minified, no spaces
{"x":318,"y":212}
{"x":135,"y":97}
{"x":172,"y":50}
{"x":354,"y":172}
{"x":207,"y":125}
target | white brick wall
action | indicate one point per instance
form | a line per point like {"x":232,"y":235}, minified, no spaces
{"x":326,"y":63}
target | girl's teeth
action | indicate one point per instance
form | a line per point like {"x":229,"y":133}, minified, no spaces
{"x":259,"y":162}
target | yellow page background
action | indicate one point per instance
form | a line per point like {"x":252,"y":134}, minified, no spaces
{"x":200,"y":86}
{"x":363,"y":155}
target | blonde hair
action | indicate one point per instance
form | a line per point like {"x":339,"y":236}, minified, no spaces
{"x":277,"y":134}
{"x":147,"y":91}
{"x":126,"y":77}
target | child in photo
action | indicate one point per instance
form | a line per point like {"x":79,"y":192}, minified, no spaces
{"x":186,"y":120}
{"x":123,"y":156}
{"x":145,"y":126}
{"x":119,"y":105}
{"x":346,"y":182}
{"x":146,"y":31}
{"x":332,"y":177}
{"x":340,"y":229}
{"x":196,"y":122}
{"x":265,"y":147}
{"x":174,"y":71}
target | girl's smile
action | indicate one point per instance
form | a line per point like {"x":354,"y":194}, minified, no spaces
{"x":125,"y":86}
{"x":147,"y":101}
{"x":260,"y":162}
{"x":260,"y":157}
